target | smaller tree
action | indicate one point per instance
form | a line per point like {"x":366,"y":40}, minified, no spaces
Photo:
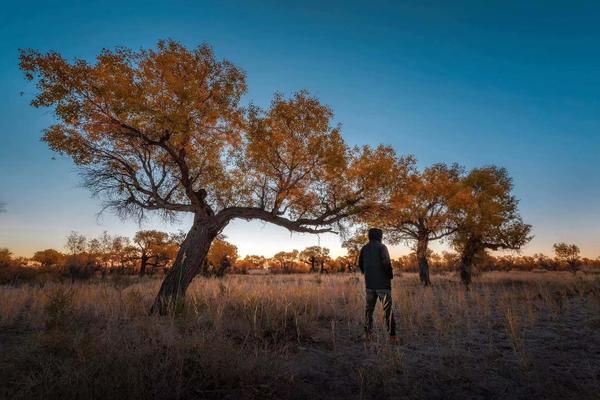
{"x":79,"y":262}
{"x":545,"y":262}
{"x":285,"y":260}
{"x":5,"y":258}
{"x":151,"y":246}
{"x":120,"y":251}
{"x":220,"y":257}
{"x":49,"y":257}
{"x":487,"y":217}
{"x":105,"y":256}
{"x":342,"y":264}
{"x":94,"y":247}
{"x":419,"y":210}
{"x":451,"y":260}
{"x":250,"y":262}
{"x":315,"y":256}
{"x":76,"y":243}
{"x":353,"y":245}
{"x":568,"y":254}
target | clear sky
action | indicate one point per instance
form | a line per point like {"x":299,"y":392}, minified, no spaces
{"x":515,"y":84}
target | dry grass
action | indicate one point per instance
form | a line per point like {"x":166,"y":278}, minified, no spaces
{"x":514,"y":335}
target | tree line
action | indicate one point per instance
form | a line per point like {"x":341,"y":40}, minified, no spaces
{"x":164,"y":130}
{"x":152,"y":252}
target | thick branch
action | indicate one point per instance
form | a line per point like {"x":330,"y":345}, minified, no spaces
{"x":321,"y":224}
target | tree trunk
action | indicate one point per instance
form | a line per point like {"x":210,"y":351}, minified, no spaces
{"x":422,"y":245}
{"x":187,"y":265}
{"x":143,"y":264}
{"x":223,"y":267}
{"x":466,"y":263}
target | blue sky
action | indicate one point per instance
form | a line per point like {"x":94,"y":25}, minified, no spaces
{"x":506,"y":83}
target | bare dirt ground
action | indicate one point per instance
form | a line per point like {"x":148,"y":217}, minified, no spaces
{"x":515,"y":335}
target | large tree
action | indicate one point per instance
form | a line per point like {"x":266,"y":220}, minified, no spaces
{"x":419,"y":210}
{"x":163,"y":130}
{"x":487,"y":217}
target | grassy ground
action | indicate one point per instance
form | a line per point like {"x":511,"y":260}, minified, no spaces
{"x":515,"y":335}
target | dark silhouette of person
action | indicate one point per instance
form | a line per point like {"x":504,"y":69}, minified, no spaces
{"x":374,"y":262}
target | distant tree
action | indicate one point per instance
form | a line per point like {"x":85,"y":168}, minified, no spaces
{"x":505,"y":263}
{"x":315,"y":256}
{"x":5,"y":258}
{"x":545,"y":262}
{"x":163,"y":130}
{"x":487,"y":217}
{"x":120,"y":252}
{"x":49,"y":257}
{"x":568,"y":254}
{"x":76,"y":243}
{"x":285,"y":260}
{"x":251,"y":262}
{"x":2,"y":207}
{"x":221,"y":256}
{"x":353,"y":244}
{"x":130,"y":255}
{"x":451,"y":259}
{"x":257,"y":261}
{"x":94,"y":247}
{"x":342,"y":264}
{"x":151,"y":246}
{"x":408,"y":263}
{"x":99,"y":252}
{"x":105,"y":254}
{"x":419,"y":210}
{"x":79,"y":262}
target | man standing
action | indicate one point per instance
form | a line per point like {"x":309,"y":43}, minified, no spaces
{"x":374,"y":262}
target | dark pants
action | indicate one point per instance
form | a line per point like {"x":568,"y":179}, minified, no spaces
{"x":385,"y":296}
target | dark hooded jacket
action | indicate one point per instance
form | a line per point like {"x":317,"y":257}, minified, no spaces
{"x":374,"y":262}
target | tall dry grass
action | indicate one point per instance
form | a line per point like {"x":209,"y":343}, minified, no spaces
{"x":295,"y":336}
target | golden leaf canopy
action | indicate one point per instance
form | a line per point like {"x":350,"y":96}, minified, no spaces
{"x":164,"y":129}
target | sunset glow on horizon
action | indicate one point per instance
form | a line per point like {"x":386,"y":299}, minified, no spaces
{"x":478,"y":86}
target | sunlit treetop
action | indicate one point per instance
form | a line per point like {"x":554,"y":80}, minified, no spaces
{"x":566,"y":252}
{"x":163,"y":129}
{"x":488,"y":215}
{"x":420,"y":204}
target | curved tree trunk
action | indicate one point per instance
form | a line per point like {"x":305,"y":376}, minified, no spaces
{"x":187,"y":265}
{"x":422,"y":245}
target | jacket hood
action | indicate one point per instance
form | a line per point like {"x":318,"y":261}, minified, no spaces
{"x":375,"y":234}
